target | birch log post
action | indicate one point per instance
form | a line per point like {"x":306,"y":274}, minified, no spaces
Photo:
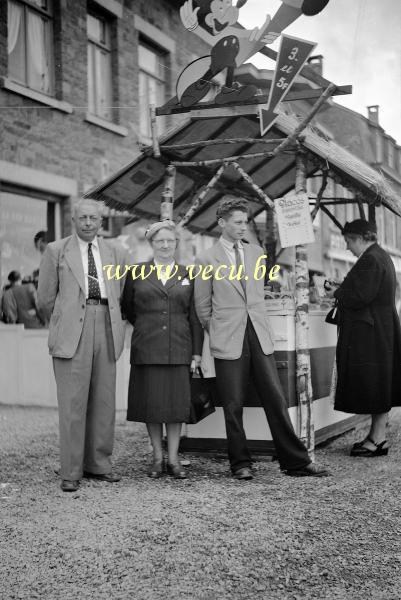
{"x":303,"y":367}
{"x":199,"y":200}
{"x":167,"y":203}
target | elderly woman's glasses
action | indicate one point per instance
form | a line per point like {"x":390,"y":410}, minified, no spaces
{"x":160,"y":243}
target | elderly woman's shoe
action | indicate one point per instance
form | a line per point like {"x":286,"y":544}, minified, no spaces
{"x":156,"y":469}
{"x":176,"y":471}
{"x":367,"y":452}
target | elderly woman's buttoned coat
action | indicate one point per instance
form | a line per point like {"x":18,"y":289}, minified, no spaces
{"x":166,"y":328}
{"x":167,"y":333}
{"x":369,"y":341}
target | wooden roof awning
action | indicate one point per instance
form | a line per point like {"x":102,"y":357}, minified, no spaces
{"x":138,"y":186}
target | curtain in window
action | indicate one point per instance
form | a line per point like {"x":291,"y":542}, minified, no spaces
{"x":105,"y":84}
{"x":13,"y":25}
{"x":99,"y":82}
{"x":16,"y":43}
{"x":91,"y":79}
{"x":38,"y":62}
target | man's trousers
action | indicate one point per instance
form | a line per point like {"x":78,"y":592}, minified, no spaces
{"x":232,"y":381}
{"x":86,"y":398}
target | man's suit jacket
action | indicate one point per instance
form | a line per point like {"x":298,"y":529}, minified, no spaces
{"x":62,"y":294}
{"x":166,"y":328}
{"x":223,"y":309}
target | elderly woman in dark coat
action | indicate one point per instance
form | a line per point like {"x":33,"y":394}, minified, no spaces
{"x":166,"y":343}
{"x":369,"y":341}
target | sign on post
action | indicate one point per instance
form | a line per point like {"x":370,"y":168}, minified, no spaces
{"x":292,"y":56}
{"x":294,"y":221}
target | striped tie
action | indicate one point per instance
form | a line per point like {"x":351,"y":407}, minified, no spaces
{"x":93,"y":282}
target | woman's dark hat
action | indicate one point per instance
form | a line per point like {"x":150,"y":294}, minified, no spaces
{"x":359,"y":227}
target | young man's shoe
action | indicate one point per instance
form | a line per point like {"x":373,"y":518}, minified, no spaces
{"x":310,"y":470}
{"x":243,"y":474}
{"x":109,"y":477}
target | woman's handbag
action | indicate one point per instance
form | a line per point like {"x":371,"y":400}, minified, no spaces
{"x":201,"y":399}
{"x":332,"y":315}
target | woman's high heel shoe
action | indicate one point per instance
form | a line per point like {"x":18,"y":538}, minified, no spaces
{"x":156,"y":469}
{"x":366,"y":452}
{"x":176,"y":471}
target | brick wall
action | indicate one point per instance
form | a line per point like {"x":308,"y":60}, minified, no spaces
{"x":47,"y":139}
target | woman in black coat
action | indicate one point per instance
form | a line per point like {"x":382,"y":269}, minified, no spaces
{"x":369,"y":340}
{"x":166,"y":344}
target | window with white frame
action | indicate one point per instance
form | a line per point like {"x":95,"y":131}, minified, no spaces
{"x":30,"y":44}
{"x":390,"y":154}
{"x":152,"y":64}
{"x":100,"y":84}
{"x":379,"y":146}
{"x":380,"y":224}
{"x":390,"y":229}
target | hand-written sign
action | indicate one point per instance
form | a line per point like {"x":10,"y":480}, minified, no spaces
{"x":292,"y":56}
{"x":294,"y":221}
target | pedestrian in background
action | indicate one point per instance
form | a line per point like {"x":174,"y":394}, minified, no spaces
{"x":19,"y":303}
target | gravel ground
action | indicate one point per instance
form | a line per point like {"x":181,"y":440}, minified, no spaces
{"x":205,"y":538}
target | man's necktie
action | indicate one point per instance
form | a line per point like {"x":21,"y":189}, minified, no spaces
{"x":239,"y":263}
{"x":93,"y":282}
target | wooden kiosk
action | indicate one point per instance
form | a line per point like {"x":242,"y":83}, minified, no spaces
{"x":260,"y":151}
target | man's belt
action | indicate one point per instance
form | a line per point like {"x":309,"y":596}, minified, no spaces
{"x":97,"y":301}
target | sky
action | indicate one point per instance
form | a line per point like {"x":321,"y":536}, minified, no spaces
{"x":360,"y":41}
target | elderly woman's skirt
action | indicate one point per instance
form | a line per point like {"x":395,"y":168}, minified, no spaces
{"x":159,"y":394}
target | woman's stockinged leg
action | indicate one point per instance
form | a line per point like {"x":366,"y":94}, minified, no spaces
{"x":378,"y":428}
{"x":155,"y":431}
{"x":173,"y":441}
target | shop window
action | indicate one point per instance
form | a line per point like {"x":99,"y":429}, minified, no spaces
{"x":100,"y":83}
{"x":152,"y":85}
{"x":30,"y":44}
{"x":21,"y":218}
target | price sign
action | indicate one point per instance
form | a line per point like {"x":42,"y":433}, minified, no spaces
{"x":291,"y":58}
{"x":294,"y":221}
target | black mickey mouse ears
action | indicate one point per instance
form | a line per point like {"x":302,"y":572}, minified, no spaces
{"x":313,"y":7}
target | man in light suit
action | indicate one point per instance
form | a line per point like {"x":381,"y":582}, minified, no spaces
{"x":86,"y":338}
{"x":234,"y":314}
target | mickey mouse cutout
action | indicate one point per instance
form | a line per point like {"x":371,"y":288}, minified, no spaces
{"x":216,"y":23}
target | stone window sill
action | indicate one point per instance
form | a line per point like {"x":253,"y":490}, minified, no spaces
{"x":123,"y":131}
{"x":17,"y":88}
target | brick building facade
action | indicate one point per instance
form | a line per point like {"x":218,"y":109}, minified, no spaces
{"x":76,"y":79}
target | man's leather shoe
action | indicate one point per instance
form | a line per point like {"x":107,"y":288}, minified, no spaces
{"x":243,"y":474}
{"x":69,"y":486}
{"x":109,"y":477}
{"x":310,"y":470}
